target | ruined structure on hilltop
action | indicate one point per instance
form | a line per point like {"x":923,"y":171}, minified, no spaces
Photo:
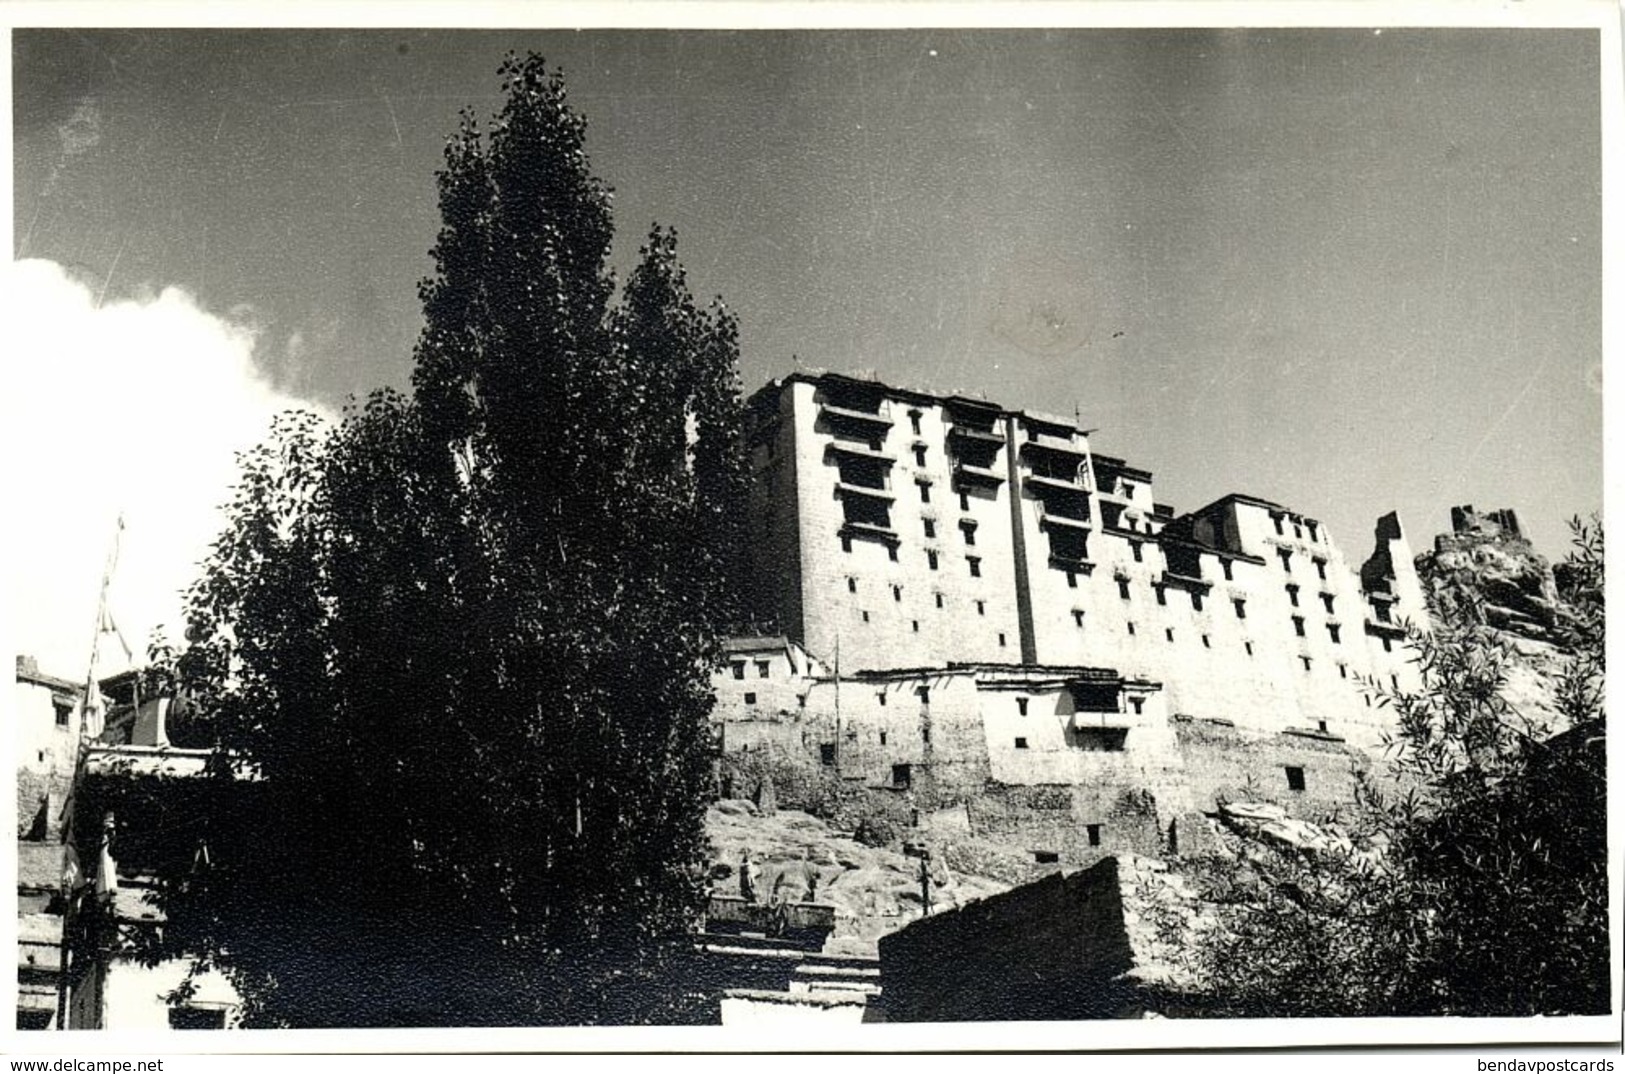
{"x":974,"y":607}
{"x":1485,"y":569}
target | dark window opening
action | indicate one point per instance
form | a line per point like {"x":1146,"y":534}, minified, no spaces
{"x":1139,"y":555}
{"x":64,"y":712}
{"x":1241,"y":608}
{"x":846,"y":544}
{"x":924,"y":694}
{"x":1094,"y":697}
{"x":919,"y":456}
{"x":1320,"y":568}
{"x":1305,"y":660}
{"x":1196,"y":601}
{"x":1162,"y":594}
{"x":930,"y":527}
{"x":801,"y":701}
{"x":897,"y":593}
{"x":762,"y":667}
{"x":1122,"y":588}
{"x":882,"y":738}
{"x":902,"y":775}
{"x":1093,"y":832}
{"x":1326,"y":599}
{"x":826,"y":752}
{"x":1248,"y":646}
{"x":863,"y":472}
{"x":939,"y":600}
{"x":1102,"y":739}
{"x":981,"y":607}
{"x":1387,"y":645}
{"x":914,"y":421}
{"x":851,"y":585}
{"x":1138,"y":704}
{"x":1336,"y":632}
{"x":881,"y":696}
{"x":739,"y":669}
{"x":931,"y":560}
{"x":1292,"y":594}
{"x":1342,"y":671}
{"x":1320,"y":724}
{"x":1170,"y":633}
{"x":1286,"y":559}
{"x":1077,"y":617}
{"x":1279,"y":529}
{"x":1021,"y":743}
{"x":865,"y":617}
{"x":1294,"y":778}
{"x":1021,"y":705}
{"x":864,"y":511}
{"x":1229,"y":570}
{"x":925,"y":735}
{"x":1045,"y":857}
{"x":1207,"y":642}
{"x":1297,"y":625}
{"x":1072,"y":579}
{"x":891,"y":553}
{"x":964,"y":501}
{"x":925,"y":491}
{"x":1001,"y":641}
{"x":975,"y":566}
{"x":1068,"y":545}
{"x":916,"y":625}
{"x":1131,"y":627}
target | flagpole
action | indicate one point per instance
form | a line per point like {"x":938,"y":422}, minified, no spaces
{"x":837,"y":708}
{"x":90,"y":701}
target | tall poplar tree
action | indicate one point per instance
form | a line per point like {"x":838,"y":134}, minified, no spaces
{"x":456,"y":652}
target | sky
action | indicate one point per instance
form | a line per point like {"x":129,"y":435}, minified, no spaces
{"x":1350,"y":271}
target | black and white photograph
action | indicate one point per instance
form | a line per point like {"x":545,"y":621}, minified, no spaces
{"x":1018,"y":527}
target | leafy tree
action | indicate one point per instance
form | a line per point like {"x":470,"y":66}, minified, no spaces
{"x":455,"y":653}
{"x":1480,"y":887}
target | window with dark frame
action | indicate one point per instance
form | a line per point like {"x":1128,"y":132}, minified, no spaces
{"x":1294,"y":778}
{"x":1092,"y":831}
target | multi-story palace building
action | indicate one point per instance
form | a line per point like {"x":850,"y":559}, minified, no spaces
{"x":902,"y":530}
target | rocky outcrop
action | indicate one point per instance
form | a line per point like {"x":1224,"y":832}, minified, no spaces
{"x":1486,"y":571}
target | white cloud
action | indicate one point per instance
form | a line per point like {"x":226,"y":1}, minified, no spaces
{"x":136,"y":407}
